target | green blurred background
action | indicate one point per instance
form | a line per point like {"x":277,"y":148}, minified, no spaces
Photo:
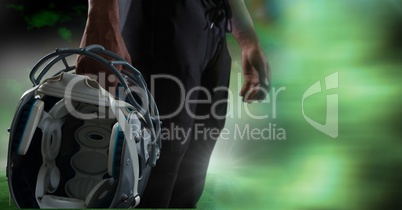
{"x":305,"y":41}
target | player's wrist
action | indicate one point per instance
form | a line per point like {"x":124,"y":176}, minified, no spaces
{"x":103,"y":12}
{"x":249,"y":44}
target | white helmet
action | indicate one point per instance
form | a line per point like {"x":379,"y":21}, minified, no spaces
{"x":74,"y":145}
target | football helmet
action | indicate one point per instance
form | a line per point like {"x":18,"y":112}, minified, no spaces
{"x":75,"y":145}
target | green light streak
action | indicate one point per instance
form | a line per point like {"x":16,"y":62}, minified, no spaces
{"x":42,"y":18}
{"x":65,"y":33}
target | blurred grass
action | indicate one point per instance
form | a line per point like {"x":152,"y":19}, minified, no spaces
{"x":4,"y":194}
{"x":361,"y":169}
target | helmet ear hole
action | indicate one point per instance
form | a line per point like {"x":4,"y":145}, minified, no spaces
{"x":95,"y":137}
{"x":51,"y":144}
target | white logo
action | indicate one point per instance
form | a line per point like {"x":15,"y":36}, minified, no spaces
{"x":331,"y":121}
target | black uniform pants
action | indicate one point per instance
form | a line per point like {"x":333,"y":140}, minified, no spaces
{"x":180,"y":48}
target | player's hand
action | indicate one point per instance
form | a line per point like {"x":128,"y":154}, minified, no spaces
{"x":256,"y":72}
{"x":108,"y":35}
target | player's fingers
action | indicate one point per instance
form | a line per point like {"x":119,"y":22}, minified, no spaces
{"x":256,"y":93}
{"x":250,"y":94}
{"x":245,"y":88}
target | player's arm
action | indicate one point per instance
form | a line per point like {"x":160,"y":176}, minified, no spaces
{"x":102,"y":28}
{"x":255,"y":65}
